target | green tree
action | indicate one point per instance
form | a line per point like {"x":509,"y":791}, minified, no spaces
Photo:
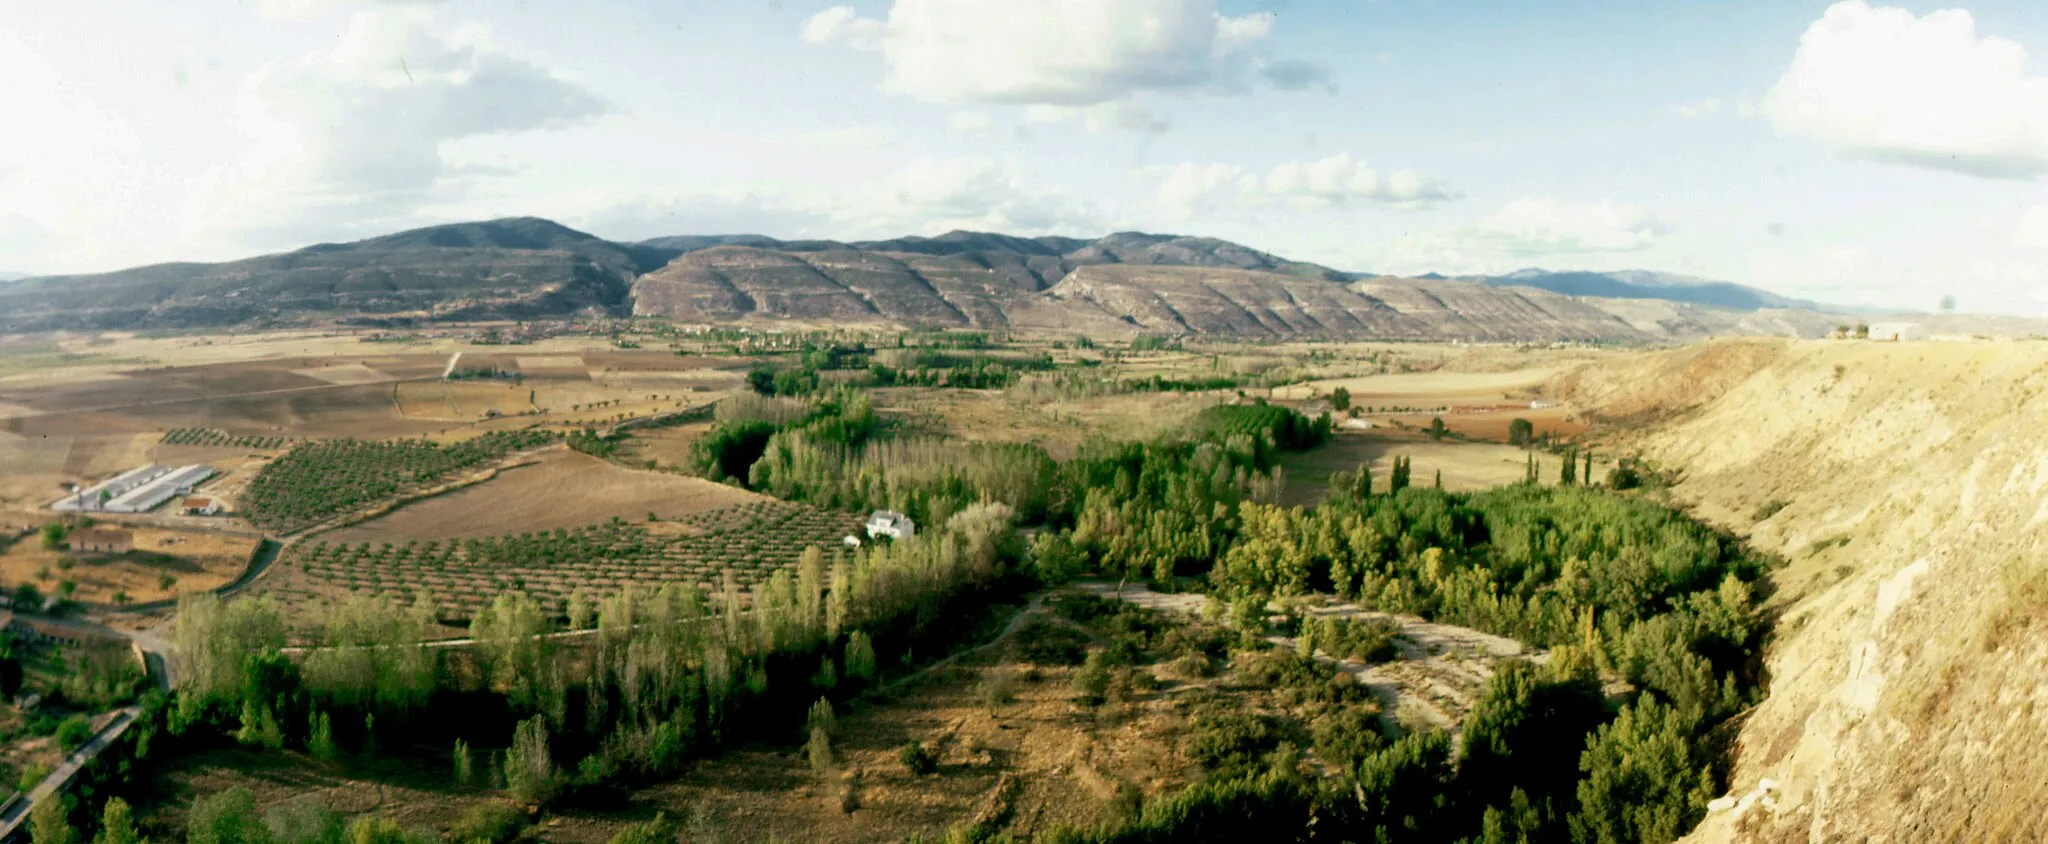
{"x":529,"y":770}
{"x":860,"y":656}
{"x":117,"y":824}
{"x":1340,"y":399}
{"x":464,"y":763}
{"x":1521,"y":432}
{"x":226,"y":817}
{"x":54,"y":534}
{"x":320,"y":737}
{"x":305,"y":820}
{"x":1646,"y":780}
{"x":50,"y":821}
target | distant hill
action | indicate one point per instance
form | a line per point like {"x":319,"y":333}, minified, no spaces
{"x":1648,"y":284}
{"x":1121,"y":284}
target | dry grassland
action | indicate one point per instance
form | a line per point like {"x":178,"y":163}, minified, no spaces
{"x":1059,"y":426}
{"x":195,"y":560}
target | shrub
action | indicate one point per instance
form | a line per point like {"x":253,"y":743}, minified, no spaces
{"x":1227,"y":741}
{"x":493,"y":823}
{"x":74,"y":732}
{"x":1768,"y":509}
{"x":1368,"y":639}
{"x":918,"y":759}
{"x":1045,"y":643}
{"x":996,"y":691}
{"x":819,"y":751}
{"x":661,"y":830}
{"x":31,"y":776}
{"x":1091,"y":683}
{"x":1346,"y":736}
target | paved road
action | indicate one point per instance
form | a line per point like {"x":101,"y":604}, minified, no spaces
{"x":17,"y":810}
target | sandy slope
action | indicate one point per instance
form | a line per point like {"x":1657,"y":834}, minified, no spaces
{"x":1909,"y":694}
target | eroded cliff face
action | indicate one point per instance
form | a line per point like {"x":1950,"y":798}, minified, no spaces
{"x":1909,"y":669}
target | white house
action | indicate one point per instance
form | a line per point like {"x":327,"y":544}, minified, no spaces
{"x":891,"y":524}
{"x":1897,"y":331}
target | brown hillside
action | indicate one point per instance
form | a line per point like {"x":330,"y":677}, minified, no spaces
{"x":1907,"y":700}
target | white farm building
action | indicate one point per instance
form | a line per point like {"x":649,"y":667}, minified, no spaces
{"x":138,"y":490}
{"x":891,"y":524}
{"x":1897,"y":331}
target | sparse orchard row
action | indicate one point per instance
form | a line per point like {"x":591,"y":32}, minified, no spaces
{"x":318,"y":480}
{"x":223,"y":439}
{"x":751,"y":540}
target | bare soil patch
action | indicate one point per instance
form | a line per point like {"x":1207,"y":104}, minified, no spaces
{"x":561,"y":489}
{"x":193,"y":560}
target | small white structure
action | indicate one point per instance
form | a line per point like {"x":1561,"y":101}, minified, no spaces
{"x":1540,"y":404}
{"x":852,"y":541}
{"x":1897,"y":331}
{"x":200,"y":505}
{"x":1358,"y":424}
{"x":137,"y":490}
{"x":891,"y":524}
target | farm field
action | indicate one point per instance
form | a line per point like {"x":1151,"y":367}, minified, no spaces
{"x":666,"y":446}
{"x":561,"y":489}
{"x":192,"y":560}
{"x":1058,"y":425}
{"x":752,"y":540}
{"x":1466,"y":465}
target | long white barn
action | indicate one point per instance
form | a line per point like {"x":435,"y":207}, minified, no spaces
{"x":137,"y":490}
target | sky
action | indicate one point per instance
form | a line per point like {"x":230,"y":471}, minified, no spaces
{"x":1880,"y":154}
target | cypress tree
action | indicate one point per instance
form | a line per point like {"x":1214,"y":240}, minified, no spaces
{"x":1439,"y":479}
{"x":1570,"y":468}
{"x":1587,"y":476}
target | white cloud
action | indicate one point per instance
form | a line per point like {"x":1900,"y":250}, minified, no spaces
{"x":924,"y":196}
{"x":1234,"y":34}
{"x":859,"y":136}
{"x":1054,"y":52}
{"x":1193,"y":188}
{"x":934,"y":195}
{"x":1883,"y":84}
{"x":972,"y":122}
{"x":1548,"y":227}
{"x":1337,"y":181}
{"x":353,"y":136}
{"x":841,"y":24}
{"x":1128,"y":115}
{"x":69,"y":168}
{"x":1341,"y":180}
{"x":1532,"y":228}
{"x":2032,"y":231}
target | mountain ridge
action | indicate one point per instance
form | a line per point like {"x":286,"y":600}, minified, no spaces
{"x":1120,"y":283}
